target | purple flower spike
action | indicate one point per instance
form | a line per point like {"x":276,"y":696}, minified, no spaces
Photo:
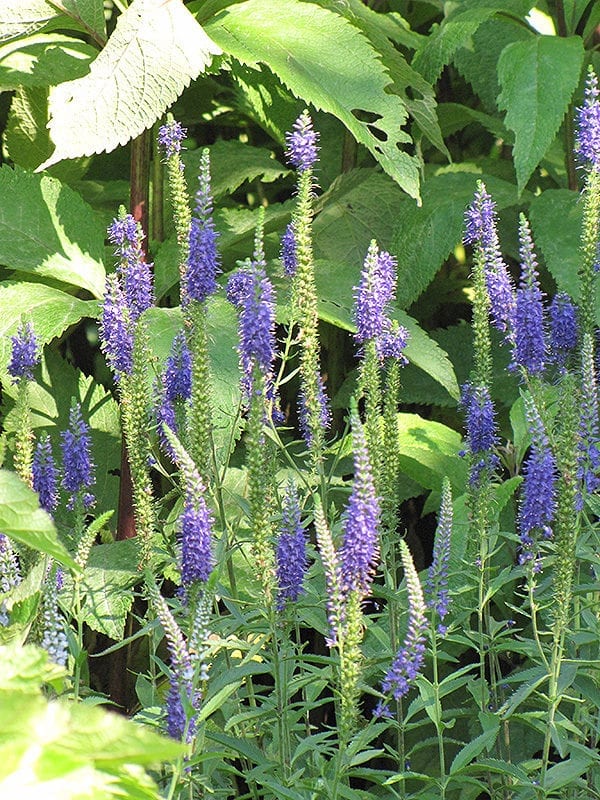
{"x":78,"y":469}
{"x":373,"y":294}
{"x":589,"y":426}
{"x":178,"y":370}
{"x":360,"y":544}
{"x":25,"y":354}
{"x":481,"y":232}
{"x":480,"y":219}
{"x":200,"y":280}
{"x":291,"y":551}
{"x":45,"y":475}
{"x":409,"y":659}
{"x":392,"y":344}
{"x":529,"y":350}
{"x":170,"y":137}
{"x":302,"y":144}
{"x":288,"y":251}
{"x":325,"y":412}
{"x":564,"y":329}
{"x":133,"y":270}
{"x":538,"y":492}
{"x":587,"y":140}
{"x":116,"y":334}
{"x":482,"y":436}
{"x":196,"y":538}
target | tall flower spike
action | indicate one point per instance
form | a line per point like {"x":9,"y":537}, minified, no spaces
{"x":116,"y":330}
{"x":134,"y":272}
{"x":10,"y":574}
{"x":78,"y":468}
{"x":170,"y":136}
{"x":45,"y":475}
{"x":25,"y":355}
{"x":436,"y":588}
{"x":587,"y":139}
{"x":480,"y":231}
{"x":288,"y":250}
{"x":54,"y":637}
{"x":529,"y":351}
{"x":409,"y":659}
{"x":291,"y":550}
{"x":333,"y":576}
{"x":304,"y":413}
{"x":182,"y":670}
{"x":482,"y":436}
{"x":302,"y":150}
{"x":360,"y":544}
{"x":564,"y":329}
{"x":538,"y":491}
{"x":374,"y":293}
{"x":200,"y":280}
{"x":178,"y":370}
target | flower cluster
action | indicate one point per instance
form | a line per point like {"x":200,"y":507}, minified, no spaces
{"x":529,"y":348}
{"x":482,"y":436}
{"x":302,"y":150}
{"x":373,"y":296}
{"x":54,"y":636}
{"x":291,"y":551}
{"x":170,"y":136}
{"x":587,"y":141}
{"x":563,"y":329}
{"x":409,"y":659}
{"x":203,"y":266}
{"x":25,"y":355}
{"x":480,"y":231}
{"x":538,"y":492}
{"x":45,"y":475}
{"x":78,"y":468}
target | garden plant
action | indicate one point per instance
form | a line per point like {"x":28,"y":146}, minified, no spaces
{"x":299,"y":432}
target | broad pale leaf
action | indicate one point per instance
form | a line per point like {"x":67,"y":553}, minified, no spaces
{"x":538,"y":78}
{"x":47,"y":229}
{"x":328,"y":62}
{"x":156,"y":49}
{"x":22,"y":519}
{"x":23,"y":17}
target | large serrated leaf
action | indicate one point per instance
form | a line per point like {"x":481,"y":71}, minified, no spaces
{"x":156,"y":49}
{"x":47,"y":229}
{"x":526,"y":70}
{"x":329,"y":63}
{"x":22,"y":519}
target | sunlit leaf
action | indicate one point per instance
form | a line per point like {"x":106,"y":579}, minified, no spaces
{"x":156,"y":49}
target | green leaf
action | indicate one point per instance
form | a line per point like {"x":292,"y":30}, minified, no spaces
{"x":111,"y":571}
{"x":567,"y":772}
{"x":425,"y":353}
{"x":87,"y":13}
{"x":156,"y":49}
{"x":232,"y":163}
{"x":525,"y":71}
{"x":25,"y":668}
{"x":426,"y":236}
{"x":471,"y":750}
{"x":428,"y":451}
{"x":48,"y":230}
{"x":42,"y":60}
{"x":556,"y":216}
{"x":22,"y":519}
{"x":50,"y":310}
{"x":329,"y":63}
{"x":360,"y":205}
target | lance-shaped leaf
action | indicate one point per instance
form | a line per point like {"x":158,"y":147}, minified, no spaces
{"x":328,"y":62}
{"x":156,"y":49}
{"x":538,"y":78}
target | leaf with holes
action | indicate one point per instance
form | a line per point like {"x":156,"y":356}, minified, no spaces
{"x":329,"y":63}
{"x":156,"y":49}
